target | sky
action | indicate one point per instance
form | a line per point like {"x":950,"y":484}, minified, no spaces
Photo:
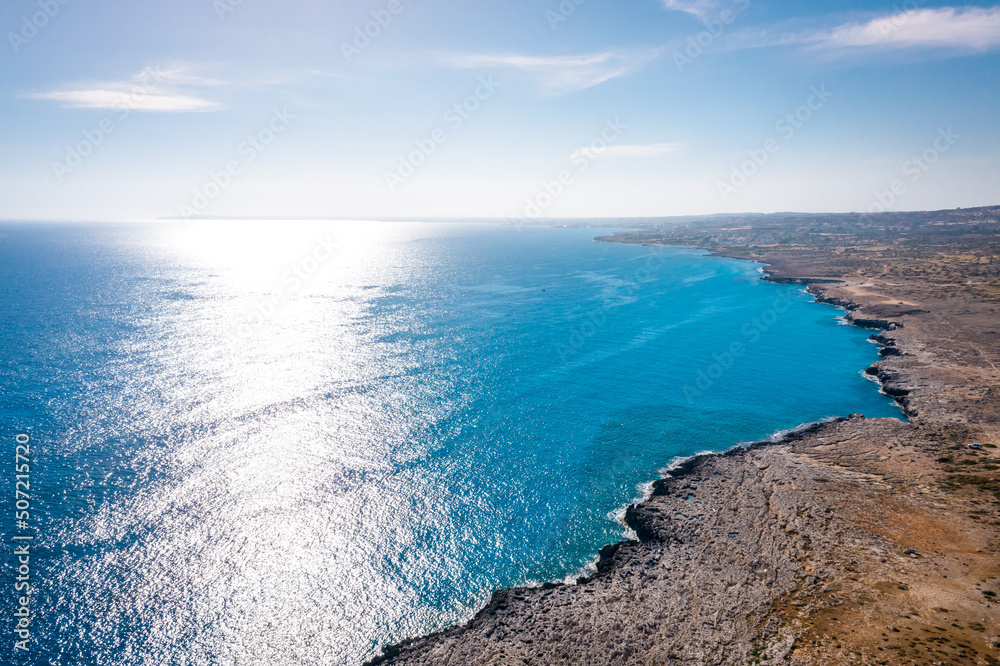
{"x":513,"y":109}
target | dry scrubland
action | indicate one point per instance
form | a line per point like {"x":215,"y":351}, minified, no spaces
{"x":862,"y":541}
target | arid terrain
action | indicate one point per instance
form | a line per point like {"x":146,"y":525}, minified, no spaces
{"x":858,"y":541}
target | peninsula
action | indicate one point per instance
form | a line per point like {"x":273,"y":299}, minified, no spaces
{"x":861,"y":541}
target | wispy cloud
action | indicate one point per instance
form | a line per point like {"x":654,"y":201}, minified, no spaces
{"x":180,"y":75}
{"x":105,"y":98}
{"x":700,"y":8}
{"x":968,"y":29}
{"x":608,"y":152}
{"x":560,"y":74}
{"x":322,"y":73}
{"x":152,"y":89}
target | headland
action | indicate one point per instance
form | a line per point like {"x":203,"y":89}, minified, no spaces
{"x":861,"y":541}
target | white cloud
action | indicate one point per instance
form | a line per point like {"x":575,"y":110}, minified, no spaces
{"x":180,"y":74}
{"x":152,"y":89}
{"x":322,"y":73}
{"x":104,"y":98}
{"x":968,"y":29}
{"x":946,"y":30}
{"x":561,"y":74}
{"x":608,"y":152}
{"x":700,"y":8}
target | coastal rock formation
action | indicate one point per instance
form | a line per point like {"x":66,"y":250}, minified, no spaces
{"x":721,"y":539}
{"x":736,"y":551}
{"x":860,"y":541}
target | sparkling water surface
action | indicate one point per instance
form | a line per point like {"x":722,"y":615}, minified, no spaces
{"x":292,"y":443}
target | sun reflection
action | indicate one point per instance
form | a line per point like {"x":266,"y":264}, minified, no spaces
{"x":262,"y":474}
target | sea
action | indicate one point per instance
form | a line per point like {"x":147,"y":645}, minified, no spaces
{"x":265,"y":442}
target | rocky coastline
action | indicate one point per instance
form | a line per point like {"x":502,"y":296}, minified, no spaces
{"x":863,"y":541}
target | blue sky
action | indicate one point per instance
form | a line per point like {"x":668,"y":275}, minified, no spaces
{"x":496,"y":108}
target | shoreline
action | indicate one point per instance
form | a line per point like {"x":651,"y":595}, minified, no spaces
{"x":756,"y":632}
{"x":624,"y":515}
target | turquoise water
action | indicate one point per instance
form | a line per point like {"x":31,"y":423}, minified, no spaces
{"x":292,"y":443}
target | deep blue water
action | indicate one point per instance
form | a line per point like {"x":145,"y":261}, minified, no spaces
{"x":248,"y":448}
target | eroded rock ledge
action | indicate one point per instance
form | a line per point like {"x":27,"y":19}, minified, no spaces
{"x":853,"y":541}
